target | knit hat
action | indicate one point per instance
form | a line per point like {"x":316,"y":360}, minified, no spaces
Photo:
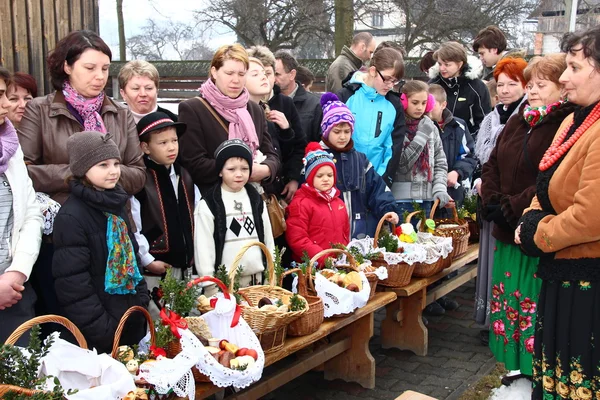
{"x":158,"y":120}
{"x":334,"y":112}
{"x":87,"y":149}
{"x":232,"y":148}
{"x":314,"y":159}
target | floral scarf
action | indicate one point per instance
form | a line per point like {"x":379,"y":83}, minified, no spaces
{"x":122,"y":273}
{"x":8,"y":144}
{"x":535,"y":115}
{"x":235,"y":111}
{"x":89,"y":109}
{"x":422,"y":163}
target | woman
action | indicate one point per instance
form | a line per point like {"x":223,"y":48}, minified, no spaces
{"x":562,"y":227}
{"x":21,"y":90}
{"x":283,"y":119}
{"x":508,"y":186}
{"x":468,"y":97}
{"x":224,"y":112}
{"x":20,"y":223}
{"x":78,"y":69}
{"x":511,"y":91}
{"x":138,"y":85}
{"x":380,"y":127}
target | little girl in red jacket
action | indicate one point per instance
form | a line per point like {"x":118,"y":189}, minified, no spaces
{"x":316,"y":217}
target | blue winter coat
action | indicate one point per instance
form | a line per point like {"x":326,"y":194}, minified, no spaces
{"x":380,"y":128}
{"x":363,"y":190}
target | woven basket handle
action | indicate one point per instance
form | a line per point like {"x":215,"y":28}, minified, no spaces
{"x":412,"y":214}
{"x":220,"y":284}
{"x":320,"y":254}
{"x":302,"y":290}
{"x":121,"y":325}
{"x":449,"y":205}
{"x":379,"y":226}
{"x":238,"y":259}
{"x":57,"y":319}
{"x":436,"y":203}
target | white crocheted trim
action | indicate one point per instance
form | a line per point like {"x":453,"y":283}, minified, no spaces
{"x":434,"y":246}
{"x":413,"y":253}
{"x":49,"y":208}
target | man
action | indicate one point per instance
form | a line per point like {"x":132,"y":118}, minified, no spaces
{"x":490,"y":44}
{"x":307,"y":103}
{"x":349,"y":60}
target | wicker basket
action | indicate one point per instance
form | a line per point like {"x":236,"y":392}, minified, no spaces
{"x":310,"y":321}
{"x":270,"y":326}
{"x":424,"y":270}
{"x":24,"y":327}
{"x":459,"y":234}
{"x":398,"y":274}
{"x":473,"y":230}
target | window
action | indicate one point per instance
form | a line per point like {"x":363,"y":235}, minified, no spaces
{"x":377,"y":20}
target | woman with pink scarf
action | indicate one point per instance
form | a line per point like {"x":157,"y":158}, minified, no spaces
{"x":223,"y":111}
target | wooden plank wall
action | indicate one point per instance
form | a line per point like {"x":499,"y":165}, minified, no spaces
{"x":30,"y":29}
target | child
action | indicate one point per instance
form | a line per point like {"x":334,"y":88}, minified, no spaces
{"x":458,"y":145}
{"x":94,"y":266}
{"x":231,"y":215}
{"x":164,"y":210}
{"x":423,"y":171}
{"x":363,"y":190}
{"x":317,"y":217}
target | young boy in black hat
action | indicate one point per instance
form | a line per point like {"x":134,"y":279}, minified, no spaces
{"x":164,"y":210}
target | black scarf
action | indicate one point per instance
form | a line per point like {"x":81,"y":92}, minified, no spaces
{"x":506,"y":113}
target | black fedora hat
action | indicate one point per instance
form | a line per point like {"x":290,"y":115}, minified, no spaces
{"x":156,"y":121}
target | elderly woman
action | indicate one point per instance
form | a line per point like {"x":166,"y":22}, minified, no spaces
{"x":562,"y":227}
{"x":22,"y":89}
{"x":138,"y":85}
{"x":511,"y":90}
{"x":79,"y":71}
{"x":223,"y":111}
{"x":508,"y":186}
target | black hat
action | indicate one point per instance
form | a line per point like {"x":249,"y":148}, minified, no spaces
{"x":158,"y":120}
{"x":232,"y":148}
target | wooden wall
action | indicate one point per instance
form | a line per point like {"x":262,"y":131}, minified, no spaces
{"x":29,"y":29}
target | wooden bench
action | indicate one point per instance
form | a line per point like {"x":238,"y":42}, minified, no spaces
{"x":403,"y":327}
{"x":346,"y":356}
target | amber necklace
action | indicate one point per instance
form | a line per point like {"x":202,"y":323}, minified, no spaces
{"x":559,"y":147}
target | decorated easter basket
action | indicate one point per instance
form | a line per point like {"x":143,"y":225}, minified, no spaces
{"x":456,"y":228}
{"x":438,"y":248}
{"x":310,"y":321}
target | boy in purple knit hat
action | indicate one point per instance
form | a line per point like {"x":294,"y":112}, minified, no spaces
{"x":364,"y":192}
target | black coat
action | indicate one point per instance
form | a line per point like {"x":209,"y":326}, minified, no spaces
{"x":309,"y":108}
{"x":79,"y":265}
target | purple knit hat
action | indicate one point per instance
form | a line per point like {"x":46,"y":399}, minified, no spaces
{"x":334,"y":112}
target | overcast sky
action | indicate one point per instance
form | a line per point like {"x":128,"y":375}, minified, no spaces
{"x":137,"y":12}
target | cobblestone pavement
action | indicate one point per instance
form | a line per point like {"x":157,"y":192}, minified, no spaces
{"x":455,"y":359}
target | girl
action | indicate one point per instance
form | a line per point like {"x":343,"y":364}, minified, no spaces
{"x":423,"y":170}
{"x":317,"y":217}
{"x":95,"y":267}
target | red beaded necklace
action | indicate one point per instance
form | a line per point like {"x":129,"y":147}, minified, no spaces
{"x":559,"y":147}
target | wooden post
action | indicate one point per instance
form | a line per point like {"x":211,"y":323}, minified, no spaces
{"x":121,"y":25}
{"x":571,"y":14}
{"x":403,"y":326}
{"x":344,"y":24}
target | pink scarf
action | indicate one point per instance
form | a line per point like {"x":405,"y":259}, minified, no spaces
{"x":8,"y":144}
{"x":87,"y":108}
{"x":328,"y":195}
{"x":241,"y":125}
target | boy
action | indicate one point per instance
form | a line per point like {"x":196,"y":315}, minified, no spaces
{"x":163,"y":211}
{"x":231,"y":215}
{"x":457,"y":142}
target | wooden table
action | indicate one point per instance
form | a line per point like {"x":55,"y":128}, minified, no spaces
{"x":346,"y":356}
{"x":403,"y":326}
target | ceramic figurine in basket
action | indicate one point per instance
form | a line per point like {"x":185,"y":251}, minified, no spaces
{"x":363,"y":190}
{"x":317,"y":215}
{"x":230,"y":215}
{"x":164,"y":210}
{"x":95,"y":267}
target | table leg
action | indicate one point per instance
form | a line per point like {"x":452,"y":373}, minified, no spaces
{"x":355,"y":364}
{"x":403,"y":327}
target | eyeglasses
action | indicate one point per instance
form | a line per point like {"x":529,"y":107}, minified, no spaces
{"x":389,"y":80}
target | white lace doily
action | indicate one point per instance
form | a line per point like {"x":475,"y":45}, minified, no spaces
{"x":171,"y":374}
{"x":435,"y":246}
{"x":413,"y":253}
{"x":338,"y":300}
{"x":49,"y":208}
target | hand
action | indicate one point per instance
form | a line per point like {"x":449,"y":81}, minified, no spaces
{"x":478,"y":187}
{"x":452,"y":179}
{"x":289,"y":190}
{"x":259,"y":172}
{"x":444,"y":198}
{"x":158,"y":267}
{"x":279,"y":118}
{"x":393,"y":218}
{"x":11,"y":286}
{"x":518,"y":234}
{"x":426,"y":126}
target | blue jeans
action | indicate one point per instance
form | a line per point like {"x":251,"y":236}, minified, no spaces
{"x":404,"y":205}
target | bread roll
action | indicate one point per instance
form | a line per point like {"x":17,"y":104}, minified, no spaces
{"x":353,"y":278}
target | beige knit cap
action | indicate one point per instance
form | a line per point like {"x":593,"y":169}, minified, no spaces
{"x":87,"y":149}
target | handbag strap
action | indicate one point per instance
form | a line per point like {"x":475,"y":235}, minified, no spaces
{"x":213,"y":112}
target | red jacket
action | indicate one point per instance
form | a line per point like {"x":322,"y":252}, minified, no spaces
{"x":313,"y":223}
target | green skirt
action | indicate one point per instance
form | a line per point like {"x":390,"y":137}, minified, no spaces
{"x":515,"y":292}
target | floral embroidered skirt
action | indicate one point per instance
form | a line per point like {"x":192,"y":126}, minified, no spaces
{"x":515,"y":291}
{"x":567,"y":360}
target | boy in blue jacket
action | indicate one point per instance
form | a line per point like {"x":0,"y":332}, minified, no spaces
{"x":363,"y":190}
